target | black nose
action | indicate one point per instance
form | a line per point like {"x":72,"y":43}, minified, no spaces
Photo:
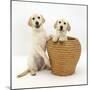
{"x":61,"y":28}
{"x":37,"y":23}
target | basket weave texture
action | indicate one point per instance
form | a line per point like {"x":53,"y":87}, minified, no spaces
{"x":64,"y":56}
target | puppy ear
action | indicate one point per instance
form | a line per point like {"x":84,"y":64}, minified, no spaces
{"x":55,"y":25}
{"x":30,"y":22}
{"x":43,"y":20}
{"x":68,"y":27}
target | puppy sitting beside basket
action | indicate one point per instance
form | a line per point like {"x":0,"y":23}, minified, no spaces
{"x":61,"y":26}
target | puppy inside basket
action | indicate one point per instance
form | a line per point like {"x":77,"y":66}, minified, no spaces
{"x":61,"y":27}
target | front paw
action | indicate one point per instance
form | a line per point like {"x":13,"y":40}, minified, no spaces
{"x":33,"y":72}
{"x":48,"y":66}
{"x":62,"y":39}
{"x":54,"y":39}
{"x":50,"y":36}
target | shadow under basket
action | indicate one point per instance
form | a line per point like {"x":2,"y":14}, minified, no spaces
{"x":64,"y":56}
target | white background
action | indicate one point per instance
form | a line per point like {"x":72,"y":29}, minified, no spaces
{"x":5,"y":45}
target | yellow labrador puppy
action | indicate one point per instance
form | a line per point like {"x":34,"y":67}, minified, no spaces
{"x":61,"y":27}
{"x":38,"y":59}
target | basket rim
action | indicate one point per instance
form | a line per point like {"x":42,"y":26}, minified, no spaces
{"x":69,"y":39}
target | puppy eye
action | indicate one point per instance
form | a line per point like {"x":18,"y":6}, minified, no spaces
{"x":33,"y":18}
{"x":64,"y":23}
{"x":38,"y":17}
{"x":59,"y":21}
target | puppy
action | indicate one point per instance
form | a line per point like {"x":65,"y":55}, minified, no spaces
{"x":38,"y":59}
{"x":61,"y":26}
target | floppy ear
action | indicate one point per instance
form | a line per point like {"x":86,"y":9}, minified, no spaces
{"x":30,"y":22}
{"x":43,"y":20}
{"x":68,"y":27}
{"x":55,"y":24}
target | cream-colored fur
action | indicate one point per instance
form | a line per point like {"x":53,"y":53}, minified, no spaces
{"x":37,"y":59}
{"x":61,"y":27}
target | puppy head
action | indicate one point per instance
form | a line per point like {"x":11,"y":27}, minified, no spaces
{"x":36,"y":21}
{"x":62,"y":25}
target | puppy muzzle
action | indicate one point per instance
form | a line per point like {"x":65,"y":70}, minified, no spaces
{"x":61,"y":28}
{"x":37,"y":25}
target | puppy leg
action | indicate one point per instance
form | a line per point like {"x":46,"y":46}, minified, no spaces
{"x":43,"y":67}
{"x":65,"y":38}
{"x":41,"y":52}
{"x":32,"y":66}
{"x":61,"y":39}
{"x":55,"y":36}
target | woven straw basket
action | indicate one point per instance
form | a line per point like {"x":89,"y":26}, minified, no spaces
{"x":64,"y":56}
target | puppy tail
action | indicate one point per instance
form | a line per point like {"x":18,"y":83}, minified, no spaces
{"x":23,"y":73}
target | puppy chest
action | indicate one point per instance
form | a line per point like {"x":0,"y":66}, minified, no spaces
{"x":42,"y":42}
{"x":40,"y":38}
{"x":62,"y":34}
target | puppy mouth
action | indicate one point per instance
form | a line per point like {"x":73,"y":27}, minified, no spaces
{"x":37,"y":26}
{"x":61,"y":29}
